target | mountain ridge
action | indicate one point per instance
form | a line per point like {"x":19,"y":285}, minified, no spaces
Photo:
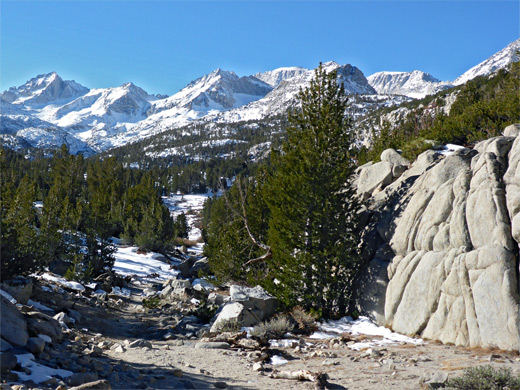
{"x":102,"y":119}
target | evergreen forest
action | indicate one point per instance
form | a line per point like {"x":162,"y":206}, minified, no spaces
{"x":290,"y":220}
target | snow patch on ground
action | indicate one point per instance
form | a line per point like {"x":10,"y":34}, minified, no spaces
{"x":362,"y":325}
{"x":38,"y":372}
{"x":131,"y":263}
{"x":278,"y":360}
{"x":64,"y":282}
{"x":38,"y":305}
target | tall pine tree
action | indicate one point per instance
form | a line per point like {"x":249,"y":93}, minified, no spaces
{"x":312,"y":231}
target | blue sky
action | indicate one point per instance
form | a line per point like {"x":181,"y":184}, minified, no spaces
{"x":163,"y":45}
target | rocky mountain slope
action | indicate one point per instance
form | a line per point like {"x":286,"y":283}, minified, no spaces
{"x":414,"y":84}
{"x":497,"y":61}
{"x":443,"y":242}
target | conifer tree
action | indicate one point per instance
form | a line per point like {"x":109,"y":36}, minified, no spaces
{"x":312,"y":231}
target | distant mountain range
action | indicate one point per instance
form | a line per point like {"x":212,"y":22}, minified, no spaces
{"x":48,"y":111}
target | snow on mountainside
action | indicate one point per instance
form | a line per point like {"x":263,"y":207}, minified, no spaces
{"x":44,"y":89}
{"x":217,"y":91}
{"x":497,"y":61}
{"x":414,"y":84}
{"x":275,"y":77}
{"x":284,"y":95}
{"x":125,"y":104}
{"x":101,"y":119}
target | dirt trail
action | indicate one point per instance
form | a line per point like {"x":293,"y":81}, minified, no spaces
{"x":174,"y":364}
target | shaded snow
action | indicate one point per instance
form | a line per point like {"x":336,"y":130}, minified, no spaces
{"x":38,"y":372}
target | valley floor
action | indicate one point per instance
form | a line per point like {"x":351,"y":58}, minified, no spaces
{"x":134,"y":354}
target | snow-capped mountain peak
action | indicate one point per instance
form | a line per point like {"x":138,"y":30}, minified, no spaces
{"x":497,"y":61}
{"x":275,"y":77}
{"x":44,"y":89}
{"x":415,"y":84}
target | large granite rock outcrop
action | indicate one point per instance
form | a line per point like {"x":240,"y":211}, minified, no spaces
{"x":443,"y":247}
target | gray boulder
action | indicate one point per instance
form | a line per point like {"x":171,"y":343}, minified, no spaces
{"x":200,"y":266}
{"x":254,"y":299}
{"x":20,"y":289}
{"x":13,"y":326}
{"x":186,"y":265}
{"x":249,"y":306}
{"x":176,"y":288}
{"x":5,"y":346}
{"x":374,"y":177}
{"x":35,"y":345}
{"x":8,"y":361}
{"x":39,"y":323}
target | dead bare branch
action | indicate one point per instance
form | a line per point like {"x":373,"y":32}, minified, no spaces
{"x":243,"y":216}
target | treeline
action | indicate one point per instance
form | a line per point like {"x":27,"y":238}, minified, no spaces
{"x":483,"y":107}
{"x":65,"y":209}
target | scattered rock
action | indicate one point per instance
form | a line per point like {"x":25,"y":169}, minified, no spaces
{"x":13,"y":326}
{"x":177,"y":372}
{"x":5,"y":346}
{"x":212,"y":345}
{"x":81,"y":378}
{"x":96,"y":385}
{"x":35,"y":345}
{"x":220,"y":385}
{"x":435,"y":380}
{"x":20,"y":289}
{"x":39,"y":323}
{"x":8,"y":361}
{"x":140,"y":344}
{"x":64,"y":320}
{"x":258,"y":366}
{"x":200,"y":266}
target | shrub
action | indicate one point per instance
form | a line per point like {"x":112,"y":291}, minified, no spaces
{"x":485,"y":378}
{"x":153,"y":302}
{"x":275,"y":328}
{"x":306,"y":322}
{"x":229,"y":325}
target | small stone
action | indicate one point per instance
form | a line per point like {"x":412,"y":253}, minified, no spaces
{"x":435,"y":380}
{"x":177,"y":372}
{"x":50,"y":382}
{"x":492,"y":357}
{"x":95,"y":351}
{"x":119,"y":349}
{"x":212,"y":345}
{"x":81,"y":378}
{"x":258,"y":366}
{"x":329,"y":362}
{"x":35,"y":345}
{"x":140,"y":344}
{"x":220,"y":385}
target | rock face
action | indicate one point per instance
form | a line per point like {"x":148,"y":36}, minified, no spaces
{"x":443,"y":248}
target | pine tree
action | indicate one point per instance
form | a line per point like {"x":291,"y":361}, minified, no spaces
{"x":180,"y":226}
{"x":312,"y":231}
